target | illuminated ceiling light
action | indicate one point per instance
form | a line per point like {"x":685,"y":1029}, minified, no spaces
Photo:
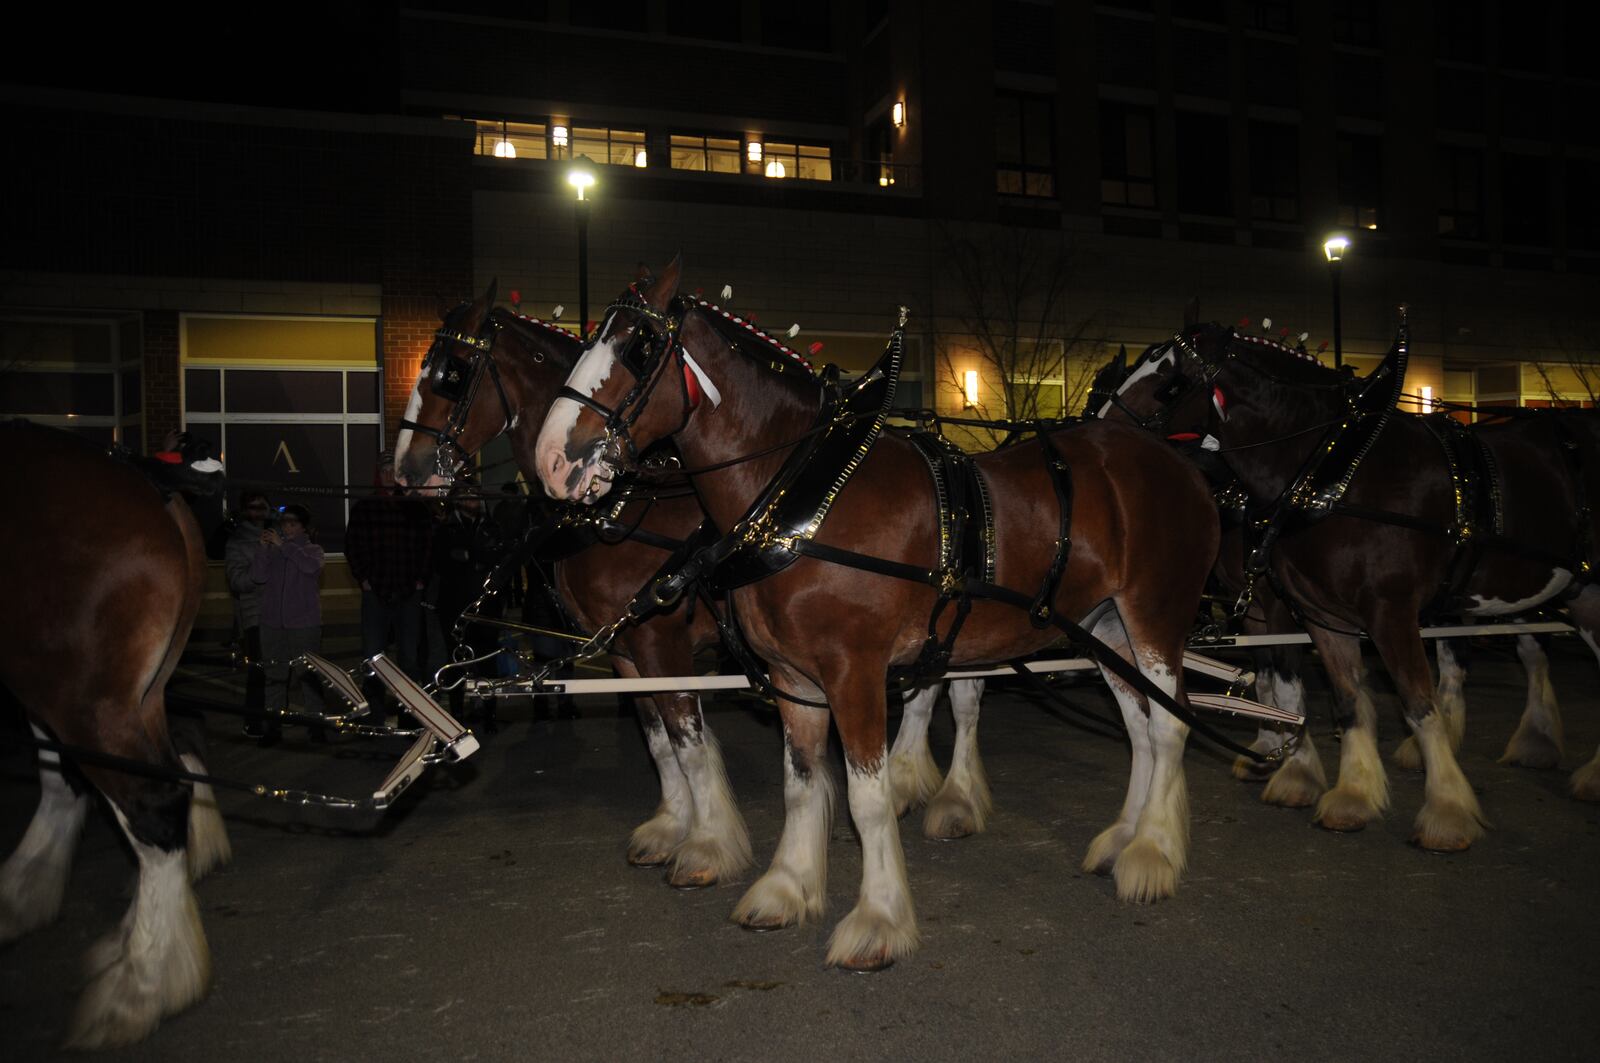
{"x":640,"y":159}
{"x":581,"y":179}
{"x":505,"y":150}
{"x":972,"y":387}
{"x":775,"y":168}
{"x":752,"y":151}
{"x":558,"y":135}
{"x":897,"y":114}
{"x":1335,"y":246}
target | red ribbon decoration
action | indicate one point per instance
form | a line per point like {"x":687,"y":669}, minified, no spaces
{"x":691,"y":387}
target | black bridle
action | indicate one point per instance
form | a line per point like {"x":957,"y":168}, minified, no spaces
{"x":455,"y":378}
{"x":654,"y":344}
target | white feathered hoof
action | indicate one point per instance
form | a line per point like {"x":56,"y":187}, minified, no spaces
{"x":1345,"y":810}
{"x":702,"y":861}
{"x":208,"y":847}
{"x":914,"y":778}
{"x":1143,"y":873}
{"x":31,"y":892}
{"x":1106,"y":847}
{"x":1585,"y":784}
{"x":1407,"y":755}
{"x":955,"y":813}
{"x":775,"y":902}
{"x":1295,"y":785}
{"x":1447,"y":826}
{"x":869,"y":940}
{"x":654,"y":840}
{"x":149,"y":968}
{"x":1247,"y":770}
{"x":1532,"y":748}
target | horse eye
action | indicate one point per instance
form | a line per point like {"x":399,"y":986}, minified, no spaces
{"x":1172,"y":388}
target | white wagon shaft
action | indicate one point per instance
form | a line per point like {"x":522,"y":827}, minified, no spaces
{"x":1192,"y":661}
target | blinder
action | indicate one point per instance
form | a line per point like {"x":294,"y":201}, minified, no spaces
{"x":455,"y":378}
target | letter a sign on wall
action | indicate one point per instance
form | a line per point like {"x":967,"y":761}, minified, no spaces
{"x":288,"y":458}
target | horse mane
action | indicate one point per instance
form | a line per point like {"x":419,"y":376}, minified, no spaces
{"x":746,"y":330}
{"x":542,"y":333}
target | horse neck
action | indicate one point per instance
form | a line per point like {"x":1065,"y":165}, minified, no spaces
{"x":1275,"y":425}
{"x":759,"y":409}
{"x":536,"y":363}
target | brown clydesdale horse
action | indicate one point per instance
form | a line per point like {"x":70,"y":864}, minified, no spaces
{"x":1143,"y":534}
{"x":104,"y":579}
{"x":697,"y":829}
{"x":1383,"y":554}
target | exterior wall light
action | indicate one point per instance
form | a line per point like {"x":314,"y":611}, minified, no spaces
{"x":752,"y":151}
{"x":558,"y":135}
{"x":972,"y":387}
{"x":897,"y":114}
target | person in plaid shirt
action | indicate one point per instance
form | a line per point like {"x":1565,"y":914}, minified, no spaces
{"x":387,"y":545}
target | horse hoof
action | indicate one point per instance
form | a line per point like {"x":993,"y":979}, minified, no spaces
{"x":866,"y":965}
{"x":648,"y":859}
{"x":1344,"y":811}
{"x":1585,"y":784}
{"x":1529,"y":748}
{"x":764,"y":924}
{"x":1407,"y":756}
{"x":1246,"y":770}
{"x":688,"y":880}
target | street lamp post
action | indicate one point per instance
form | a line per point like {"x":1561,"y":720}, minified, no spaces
{"x":581,"y":178}
{"x":1333,"y":249}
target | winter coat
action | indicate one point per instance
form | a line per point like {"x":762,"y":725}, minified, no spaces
{"x":244,"y":542}
{"x":290,"y":576}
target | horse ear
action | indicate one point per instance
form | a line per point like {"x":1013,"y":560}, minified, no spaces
{"x":1191,"y":313}
{"x":488,"y":296}
{"x":1121,"y":361}
{"x":665,"y":288}
{"x":642,"y":277}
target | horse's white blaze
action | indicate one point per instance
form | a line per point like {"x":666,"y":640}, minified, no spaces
{"x":154,"y":964}
{"x":34,"y":878}
{"x":883,"y":925}
{"x":1560,"y":579}
{"x":1145,"y":368}
{"x":402,"y":443}
{"x":550,"y":452}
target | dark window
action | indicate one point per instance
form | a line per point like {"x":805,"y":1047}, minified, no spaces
{"x":1127,"y":156}
{"x":1525,"y":34}
{"x":708,"y":20}
{"x":1460,"y":193}
{"x":1583,"y":206}
{"x":1205,"y":180}
{"x":1207,"y":67}
{"x":1356,"y":22}
{"x":1024,"y":36}
{"x":61,"y":393}
{"x":1025,"y":145}
{"x":1360,"y":79}
{"x":1274,"y":16}
{"x":202,"y":390}
{"x":802,"y":24}
{"x":1459,"y":99}
{"x":1201,"y":10}
{"x":275,"y":390}
{"x":632,"y":15}
{"x":1124,"y":47}
{"x":1360,"y":166}
{"x":1582,"y":29}
{"x":1525,"y":199}
{"x":1458,"y":26}
{"x":1272,"y":77}
{"x":1580,"y":103}
{"x":1274,"y":172}
{"x":361,"y":393}
{"x":1527,"y":108}
{"x":877,"y":71}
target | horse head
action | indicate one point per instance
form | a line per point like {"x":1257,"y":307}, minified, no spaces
{"x":603,"y":417}
{"x":479,"y":349}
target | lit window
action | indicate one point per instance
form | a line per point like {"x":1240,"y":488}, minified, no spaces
{"x":808,"y":162}
{"x":509,"y":140}
{"x":708,"y":154}
{"x":617,"y":147}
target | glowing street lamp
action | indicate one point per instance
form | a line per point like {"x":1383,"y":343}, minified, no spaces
{"x":581,"y":178}
{"x":1333,"y":249}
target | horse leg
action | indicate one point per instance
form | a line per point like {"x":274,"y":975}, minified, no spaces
{"x":1109,"y":843}
{"x":653,"y":841}
{"x":962,"y":805}
{"x":882,"y":927}
{"x":1450,"y":819}
{"x":34,"y":878}
{"x":1362,"y":791}
{"x":1450,"y":699}
{"x":1300,"y":780}
{"x":1538,"y":739}
{"x":717,"y":846}
{"x":1268,"y":736}
{"x":912,"y":772}
{"x":794,"y":888}
{"x":157,"y":962}
{"x":1585,"y":610}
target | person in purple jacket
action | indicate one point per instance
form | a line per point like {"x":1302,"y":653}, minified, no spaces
{"x":289,"y":568}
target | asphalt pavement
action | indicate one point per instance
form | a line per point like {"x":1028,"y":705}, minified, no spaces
{"x":492,"y":916}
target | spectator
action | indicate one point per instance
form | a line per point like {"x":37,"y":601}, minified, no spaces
{"x":243,"y":544}
{"x":387,"y":547}
{"x":289,"y":568}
